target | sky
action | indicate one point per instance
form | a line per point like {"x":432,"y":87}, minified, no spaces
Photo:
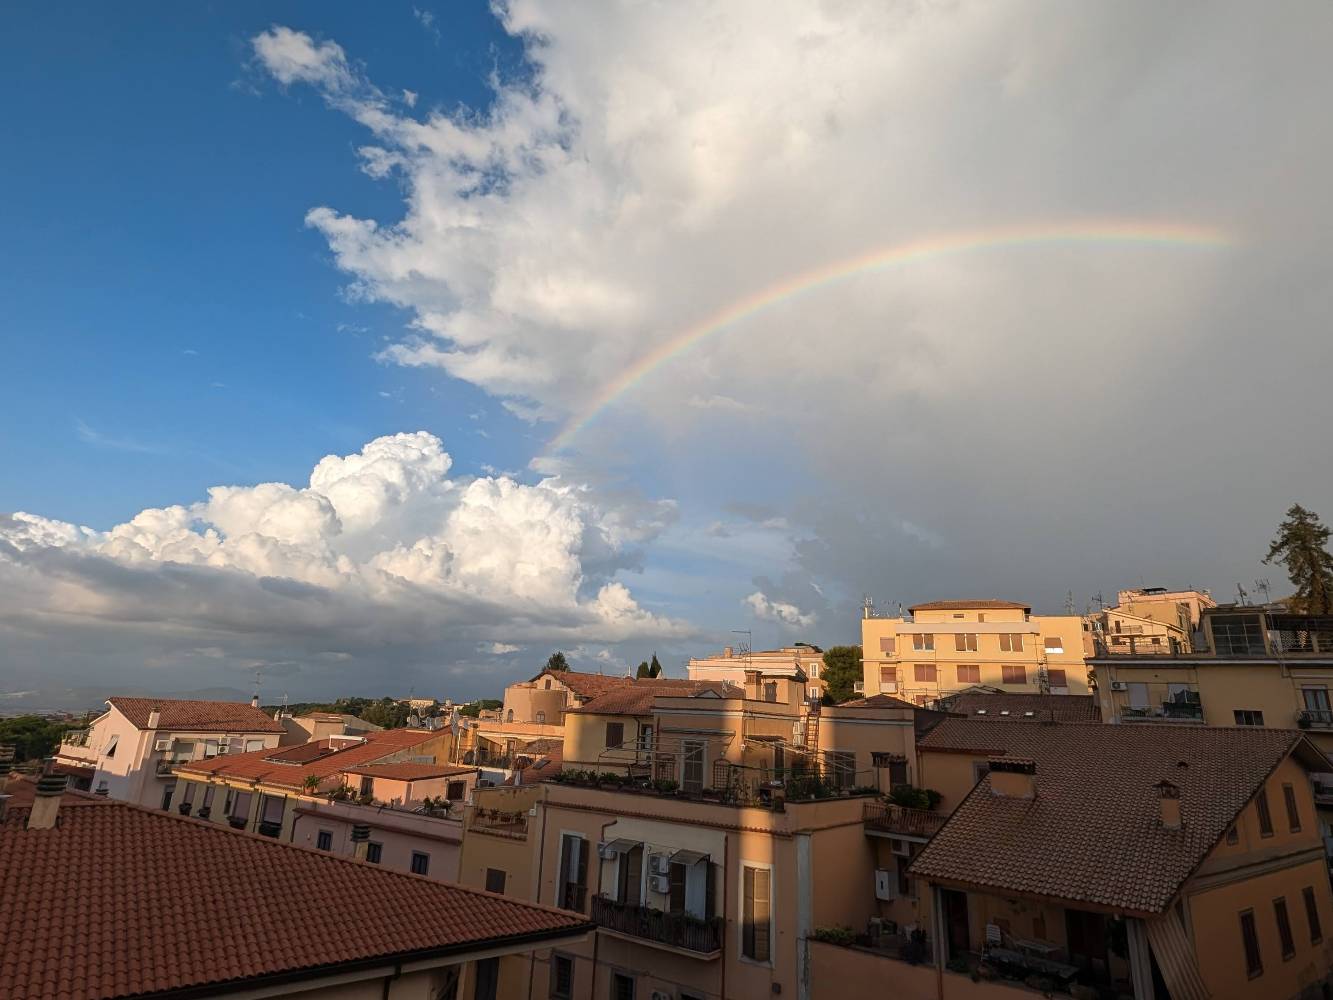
{"x":366,"y":350}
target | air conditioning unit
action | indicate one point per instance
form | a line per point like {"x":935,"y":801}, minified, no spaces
{"x":660,"y":883}
{"x":659,"y":864}
{"x":162,"y":744}
{"x":605,"y":851}
{"x":1119,"y":686}
{"x":886,"y":886}
{"x":901,"y":848}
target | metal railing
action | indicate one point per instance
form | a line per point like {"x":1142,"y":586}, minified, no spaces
{"x":76,"y":738}
{"x":572,"y":897}
{"x":498,"y":821}
{"x":1121,"y":644}
{"x":1315,"y":718}
{"x":679,"y":930}
{"x":890,"y":818}
{"x":1169,"y":711}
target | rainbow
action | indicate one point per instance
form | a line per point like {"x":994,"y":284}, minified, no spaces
{"x":1110,"y":232}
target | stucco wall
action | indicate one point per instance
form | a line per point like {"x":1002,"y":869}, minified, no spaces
{"x":839,"y":973}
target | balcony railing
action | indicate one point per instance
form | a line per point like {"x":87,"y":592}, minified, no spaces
{"x":500,"y":822}
{"x":677,"y":930}
{"x":886,"y":817}
{"x":76,"y":738}
{"x":1168,"y":711}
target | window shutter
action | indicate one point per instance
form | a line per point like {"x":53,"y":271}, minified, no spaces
{"x":747,"y":914}
{"x":710,"y":891}
{"x":762,"y":896}
{"x":677,"y":895}
{"x":632,"y":864}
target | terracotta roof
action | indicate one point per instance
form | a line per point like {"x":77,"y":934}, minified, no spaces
{"x":290,"y":766}
{"x":410,"y":772}
{"x":979,"y":605}
{"x":877,"y":701}
{"x":1092,"y":834}
{"x":1045,"y":707}
{"x":586,"y":685}
{"x":200,"y":716}
{"x":214,"y":907}
{"x":637,"y":698}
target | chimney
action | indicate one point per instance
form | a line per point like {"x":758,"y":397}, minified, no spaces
{"x":1013,"y":778}
{"x":254,"y":700}
{"x":360,"y":841}
{"x":154,"y":719}
{"x":1168,"y":797}
{"x":726,"y":653}
{"x":753,"y":685}
{"x":46,"y":802}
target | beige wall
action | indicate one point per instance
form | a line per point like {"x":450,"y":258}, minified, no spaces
{"x":864,"y":731}
{"x":887,"y":645}
{"x":841,"y":973}
{"x":533,"y":701}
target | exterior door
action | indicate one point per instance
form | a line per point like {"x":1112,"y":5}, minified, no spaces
{"x":692,"y":768}
{"x":1086,"y":934}
{"x":955,"y":916}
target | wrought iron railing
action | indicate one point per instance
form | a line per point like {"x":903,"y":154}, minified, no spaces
{"x":1315,"y":718}
{"x":506,"y":823}
{"x":890,"y":818}
{"x":679,"y":930}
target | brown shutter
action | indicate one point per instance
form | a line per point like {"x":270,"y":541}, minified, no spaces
{"x":747,"y":914}
{"x":632,"y":866}
{"x":762,"y":898}
{"x":677,"y":895}
{"x":710,"y":892}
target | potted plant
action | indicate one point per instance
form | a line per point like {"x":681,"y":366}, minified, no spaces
{"x":237,"y":822}
{"x":184,"y":808}
{"x":310,"y":783}
{"x":204,"y":812}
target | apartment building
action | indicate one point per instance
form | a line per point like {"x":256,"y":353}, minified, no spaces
{"x":112,"y":899}
{"x":128,"y":751}
{"x":949,"y":646}
{"x":730,"y":665}
{"x":386,"y":785}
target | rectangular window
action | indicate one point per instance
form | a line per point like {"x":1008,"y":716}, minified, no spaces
{"x":615,"y":734}
{"x":1058,"y":678}
{"x":1254,"y":964}
{"x":210,"y":749}
{"x":208,"y":798}
{"x":374,"y":852}
{"x":1312,"y":914}
{"x":969,"y":674}
{"x":495,"y":880}
{"x":1316,"y":699}
{"x":572,"y":887}
{"x":488,"y":979}
{"x":888,"y":646}
{"x":965,"y":642}
{"x":622,"y":986}
{"x":1265,"y":817}
{"x":979,"y":770}
{"x":167,"y":792}
{"x":1054,"y":644}
{"x":888,"y":679}
{"x":1293,"y":814}
{"x":770,"y":691}
{"x":676,"y":888}
{"x":925,"y":672}
{"x":897,"y":773}
{"x":420,"y":863}
{"x":455,"y":791}
{"x":1138,"y":695}
{"x":629,"y":876}
{"x":692,"y":767}
{"x":1013,"y":674}
{"x":1011,"y":642}
{"x":273,"y":808}
{"x":324,"y":840}
{"x":756,"y":913}
{"x":841,"y":767}
{"x":923,"y":640}
{"x":252,"y":745}
{"x":1248,"y":717}
{"x":562,"y":977}
{"x":1284,"y":927}
{"x":187,"y":796}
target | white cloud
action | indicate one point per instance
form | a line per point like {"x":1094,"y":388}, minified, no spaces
{"x":498,"y":648}
{"x":295,"y":57}
{"x":778,"y":611}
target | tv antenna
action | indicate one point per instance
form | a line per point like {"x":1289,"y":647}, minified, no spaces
{"x":1069,"y":603}
{"x":1262,"y":587}
{"x":1244,"y":598}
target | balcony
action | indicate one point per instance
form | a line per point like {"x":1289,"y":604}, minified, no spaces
{"x":901,"y":821}
{"x":672,"y":930}
{"x":499,"y":823}
{"x":1315,"y":718}
{"x":76,"y":738}
{"x":1190,"y":712}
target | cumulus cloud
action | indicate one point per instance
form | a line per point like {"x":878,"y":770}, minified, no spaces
{"x":949,"y":423}
{"x":380,"y":550}
{"x":778,"y":611}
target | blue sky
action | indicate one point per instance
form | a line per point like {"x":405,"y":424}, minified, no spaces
{"x":294,"y":296}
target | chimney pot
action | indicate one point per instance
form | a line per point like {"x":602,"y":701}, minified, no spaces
{"x":360,"y":841}
{"x":1168,"y":797}
{"x":254,"y":700}
{"x":46,"y":802}
{"x":154,"y":719}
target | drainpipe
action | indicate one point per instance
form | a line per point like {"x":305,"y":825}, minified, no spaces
{"x":941,"y":941}
{"x":804,"y":915}
{"x":388,"y":981}
{"x":537,"y":893}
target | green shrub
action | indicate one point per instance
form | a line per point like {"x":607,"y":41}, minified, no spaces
{"x":844,"y":937}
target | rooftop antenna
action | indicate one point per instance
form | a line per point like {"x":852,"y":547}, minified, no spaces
{"x":1069,"y":603}
{"x":1101,"y":601}
{"x":1244,"y":598}
{"x":867,"y":606}
{"x":1261,"y":585}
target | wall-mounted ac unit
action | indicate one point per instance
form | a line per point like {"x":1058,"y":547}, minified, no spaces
{"x":901,"y":848}
{"x":660,"y":883}
{"x":161,"y":744}
{"x":886,"y":886}
{"x":1119,"y":686}
{"x":659,"y":864}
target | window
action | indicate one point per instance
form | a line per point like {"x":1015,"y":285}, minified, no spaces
{"x":841,"y":767}
{"x":541,"y":718}
{"x":367,"y":785}
{"x":208,"y":798}
{"x":756,"y":913}
{"x":979,"y":770}
{"x":488,"y":979}
{"x":622,"y":986}
{"x":629,"y":876}
{"x":969,"y":674}
{"x":692,"y":766}
{"x":167,"y":792}
{"x":1057,"y":678}
{"x":374,"y":852}
{"x":272,"y":809}
{"x":509,"y":716}
{"x":1011,"y":642}
{"x":1293,"y":814}
{"x":646,"y":737}
{"x":771,"y":691}
{"x":1013,"y":674}
{"x":965,"y":642}
{"x":615,"y":734}
{"x":1265,"y":817}
{"x":1054,"y":644}
{"x":573,"y":884}
{"x":1284,"y":927}
{"x":888,"y":679}
{"x":1312,"y":914}
{"x":814,"y":671}
{"x":1233,"y":834}
{"x":420,"y":863}
{"x":187,"y":796}
{"x":1316,"y":699}
{"x":495,"y":880}
{"x":240,"y":806}
{"x":562,"y":977}
{"x":925,"y":672}
{"x":324,"y":840}
{"x":897,"y":773}
{"x":1248,"y":717}
{"x":111,"y":745}
{"x":1254,"y":964}
{"x":676,"y":888}
{"x":253,"y":745}
{"x":923,"y":640}
{"x":1138,"y":695}
{"x":455,"y":790}
{"x":210,"y":749}
{"x":888,"y":646}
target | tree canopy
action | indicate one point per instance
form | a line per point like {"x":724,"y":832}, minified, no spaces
{"x":842,"y":669}
{"x":473,"y":708}
{"x":642,"y":672}
{"x":33,"y":736}
{"x":654,"y":668}
{"x":557,"y":661}
{"x":1301,"y":546}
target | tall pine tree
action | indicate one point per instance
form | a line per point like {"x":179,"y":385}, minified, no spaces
{"x":654,"y":668}
{"x":1301,"y":546}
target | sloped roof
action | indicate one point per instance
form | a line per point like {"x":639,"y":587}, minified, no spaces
{"x":183,"y":875}
{"x":1093,"y":835}
{"x":586,"y":685}
{"x":1045,"y":707}
{"x":986,"y":604}
{"x":877,"y":701}
{"x":198,"y":716}
{"x":637,"y":698}
{"x":289,"y":766}
{"x":410,"y":772}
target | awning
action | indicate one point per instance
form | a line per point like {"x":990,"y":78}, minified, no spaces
{"x":622,"y":846}
{"x":688,"y":857}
